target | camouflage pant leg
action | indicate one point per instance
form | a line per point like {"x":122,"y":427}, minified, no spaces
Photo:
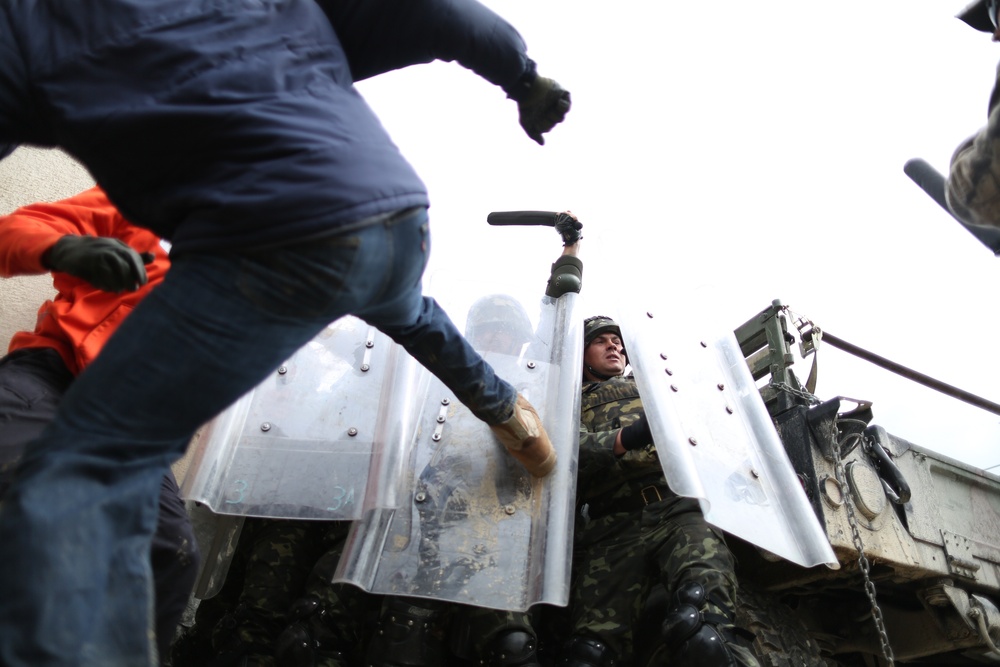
{"x":621,"y":556}
{"x":687,"y":549}
{"x":281,"y":555}
{"x":692,"y":550}
{"x":610,"y":578}
{"x":349,"y":613}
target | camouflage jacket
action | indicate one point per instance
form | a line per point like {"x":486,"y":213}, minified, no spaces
{"x":973,"y":189}
{"x":607,"y":407}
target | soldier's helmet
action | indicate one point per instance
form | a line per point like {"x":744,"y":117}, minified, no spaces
{"x":596,"y":325}
{"x":498,"y":323}
{"x":981,"y":15}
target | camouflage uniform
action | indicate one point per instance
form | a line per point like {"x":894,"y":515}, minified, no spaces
{"x":329,"y":625}
{"x":633,"y":531}
{"x":280,"y":554}
{"x":973,"y":190}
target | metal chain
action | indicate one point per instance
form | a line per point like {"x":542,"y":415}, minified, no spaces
{"x":859,"y":545}
{"x":805,"y":395}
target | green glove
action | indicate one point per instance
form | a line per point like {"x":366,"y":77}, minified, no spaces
{"x":542,"y":105}
{"x":106,"y":263}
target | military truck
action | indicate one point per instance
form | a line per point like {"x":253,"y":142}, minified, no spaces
{"x":916,"y":534}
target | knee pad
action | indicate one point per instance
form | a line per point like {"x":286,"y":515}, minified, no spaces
{"x":408,"y":635}
{"x":693,"y":637}
{"x":587,"y":652}
{"x":512,"y":648}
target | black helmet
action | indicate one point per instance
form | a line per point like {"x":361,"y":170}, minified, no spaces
{"x":979,"y":15}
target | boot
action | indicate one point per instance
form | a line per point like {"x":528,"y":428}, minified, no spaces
{"x":526,"y":440}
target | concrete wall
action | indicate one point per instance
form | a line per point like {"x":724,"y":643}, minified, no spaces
{"x":26,"y":176}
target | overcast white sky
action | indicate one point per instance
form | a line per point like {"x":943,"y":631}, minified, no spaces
{"x":724,"y":154}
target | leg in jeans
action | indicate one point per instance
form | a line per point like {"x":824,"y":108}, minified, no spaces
{"x":32,"y":384}
{"x":174,"y":556}
{"x":424,"y":329}
{"x":76,"y":590}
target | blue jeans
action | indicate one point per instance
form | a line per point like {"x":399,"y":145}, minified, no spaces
{"x":76,"y":524}
{"x":32,"y":383}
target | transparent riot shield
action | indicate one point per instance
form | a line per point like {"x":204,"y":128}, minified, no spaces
{"x":464,"y":522}
{"x":300,"y":444}
{"x":716,"y":440}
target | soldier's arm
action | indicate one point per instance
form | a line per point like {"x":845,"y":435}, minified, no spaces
{"x":567,"y":271}
{"x":596,"y":457}
{"x":973,"y":188}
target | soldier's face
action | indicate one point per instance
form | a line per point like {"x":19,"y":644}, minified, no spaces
{"x":604,"y":355}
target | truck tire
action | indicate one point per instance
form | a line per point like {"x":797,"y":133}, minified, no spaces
{"x":780,"y":637}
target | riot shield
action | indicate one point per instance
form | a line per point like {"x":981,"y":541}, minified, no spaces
{"x":716,"y":440}
{"x":299,"y":445}
{"x":465,"y":522}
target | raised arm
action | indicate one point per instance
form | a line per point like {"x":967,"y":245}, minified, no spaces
{"x":973,"y":188}
{"x":383,"y":35}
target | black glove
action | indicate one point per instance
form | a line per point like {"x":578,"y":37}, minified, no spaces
{"x":569,"y":228}
{"x":542,"y":104}
{"x":636,"y":435}
{"x":106,"y":263}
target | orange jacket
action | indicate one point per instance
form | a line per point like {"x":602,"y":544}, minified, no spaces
{"x":80,"y":318}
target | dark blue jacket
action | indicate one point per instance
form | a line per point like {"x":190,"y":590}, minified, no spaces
{"x":223,"y":124}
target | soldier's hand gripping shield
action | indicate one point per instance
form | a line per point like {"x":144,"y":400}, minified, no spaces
{"x":460,"y":519}
{"x":715,"y":439}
